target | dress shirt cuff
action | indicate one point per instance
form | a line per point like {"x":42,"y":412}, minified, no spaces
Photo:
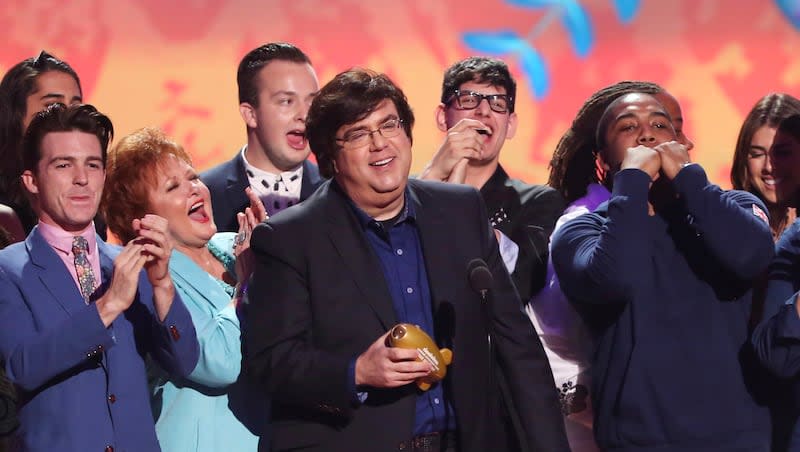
{"x":356,"y":396}
{"x":509,"y":251}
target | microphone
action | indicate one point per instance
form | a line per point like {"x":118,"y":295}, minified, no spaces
{"x":480,"y":278}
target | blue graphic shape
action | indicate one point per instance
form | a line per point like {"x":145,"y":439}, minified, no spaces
{"x":790,"y":9}
{"x":534,"y":66}
{"x":573,"y":17}
{"x":506,"y":42}
{"x":496,"y":42}
{"x":577,"y":23}
{"x":534,"y":4}
{"x":626,"y":9}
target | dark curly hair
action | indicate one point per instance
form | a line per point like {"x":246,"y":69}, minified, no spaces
{"x":350,"y":97}
{"x":574,"y":165}
{"x":479,"y":69}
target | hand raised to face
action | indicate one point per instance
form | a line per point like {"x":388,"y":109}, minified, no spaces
{"x":674,"y":156}
{"x":465,"y":140}
{"x":643,"y":158}
{"x":248,"y":220}
{"x":156,"y":246}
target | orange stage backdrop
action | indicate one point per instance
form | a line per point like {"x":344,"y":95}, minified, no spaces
{"x":172,"y":64}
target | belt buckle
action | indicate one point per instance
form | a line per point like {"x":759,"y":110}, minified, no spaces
{"x":426,"y":442}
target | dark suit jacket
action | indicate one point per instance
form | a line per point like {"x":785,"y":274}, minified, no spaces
{"x":319,"y":298}
{"x":82,"y":386}
{"x":227,"y":182}
{"x":527,"y":215}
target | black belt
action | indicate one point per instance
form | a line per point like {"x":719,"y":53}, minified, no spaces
{"x":429,"y":442}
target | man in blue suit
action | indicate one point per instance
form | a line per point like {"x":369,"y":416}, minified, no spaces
{"x":77,"y":315}
{"x":276,"y":87}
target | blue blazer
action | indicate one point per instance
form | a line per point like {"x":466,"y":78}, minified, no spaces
{"x":227,"y":182}
{"x":82,"y":386}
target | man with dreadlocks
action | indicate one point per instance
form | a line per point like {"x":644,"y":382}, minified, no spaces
{"x":663,"y":293}
{"x":576,"y":174}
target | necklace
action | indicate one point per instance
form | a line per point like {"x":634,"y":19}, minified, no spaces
{"x":228,"y":262}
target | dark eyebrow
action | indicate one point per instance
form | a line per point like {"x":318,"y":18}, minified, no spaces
{"x":758,"y":147}
{"x":661,"y":114}
{"x":386,"y":119}
{"x":52,"y":96}
{"x":623,"y":117}
{"x":61,"y":157}
{"x":58,"y":97}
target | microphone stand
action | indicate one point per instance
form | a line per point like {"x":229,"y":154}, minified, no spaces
{"x":495,"y":372}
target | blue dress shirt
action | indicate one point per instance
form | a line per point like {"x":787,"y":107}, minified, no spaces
{"x":397,"y":245}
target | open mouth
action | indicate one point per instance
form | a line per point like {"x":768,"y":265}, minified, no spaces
{"x":381,"y":163}
{"x":197,"y":212}
{"x":297,"y":139}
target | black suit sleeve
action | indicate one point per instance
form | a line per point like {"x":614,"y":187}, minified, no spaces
{"x":280,"y":351}
{"x":540,"y":211}
{"x":522,"y":358}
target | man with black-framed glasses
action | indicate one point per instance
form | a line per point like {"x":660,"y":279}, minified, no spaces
{"x":477,"y":113}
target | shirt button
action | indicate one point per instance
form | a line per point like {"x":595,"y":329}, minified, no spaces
{"x":409,"y":290}
{"x":399,"y":251}
{"x":436,"y":400}
{"x":112,"y":398}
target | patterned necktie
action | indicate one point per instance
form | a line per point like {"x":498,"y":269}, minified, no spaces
{"x":83,"y":267}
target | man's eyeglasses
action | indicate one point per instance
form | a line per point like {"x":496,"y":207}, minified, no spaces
{"x":361,"y":137}
{"x":469,"y":100}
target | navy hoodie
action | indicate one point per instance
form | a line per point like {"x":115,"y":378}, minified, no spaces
{"x":667,"y":298}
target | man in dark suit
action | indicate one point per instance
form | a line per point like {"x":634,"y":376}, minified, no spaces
{"x":276,"y":86}
{"x":77,"y":315}
{"x":371,"y":249}
{"x":522,"y":214}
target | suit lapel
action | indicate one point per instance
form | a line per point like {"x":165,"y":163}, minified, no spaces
{"x":53,"y":273}
{"x":236,"y":184}
{"x":431,"y":232}
{"x":311,"y":179}
{"x":502,"y":200}
{"x":357,"y":256}
{"x":107,"y":255}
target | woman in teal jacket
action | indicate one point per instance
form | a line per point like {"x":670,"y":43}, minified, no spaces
{"x":215,"y":408}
